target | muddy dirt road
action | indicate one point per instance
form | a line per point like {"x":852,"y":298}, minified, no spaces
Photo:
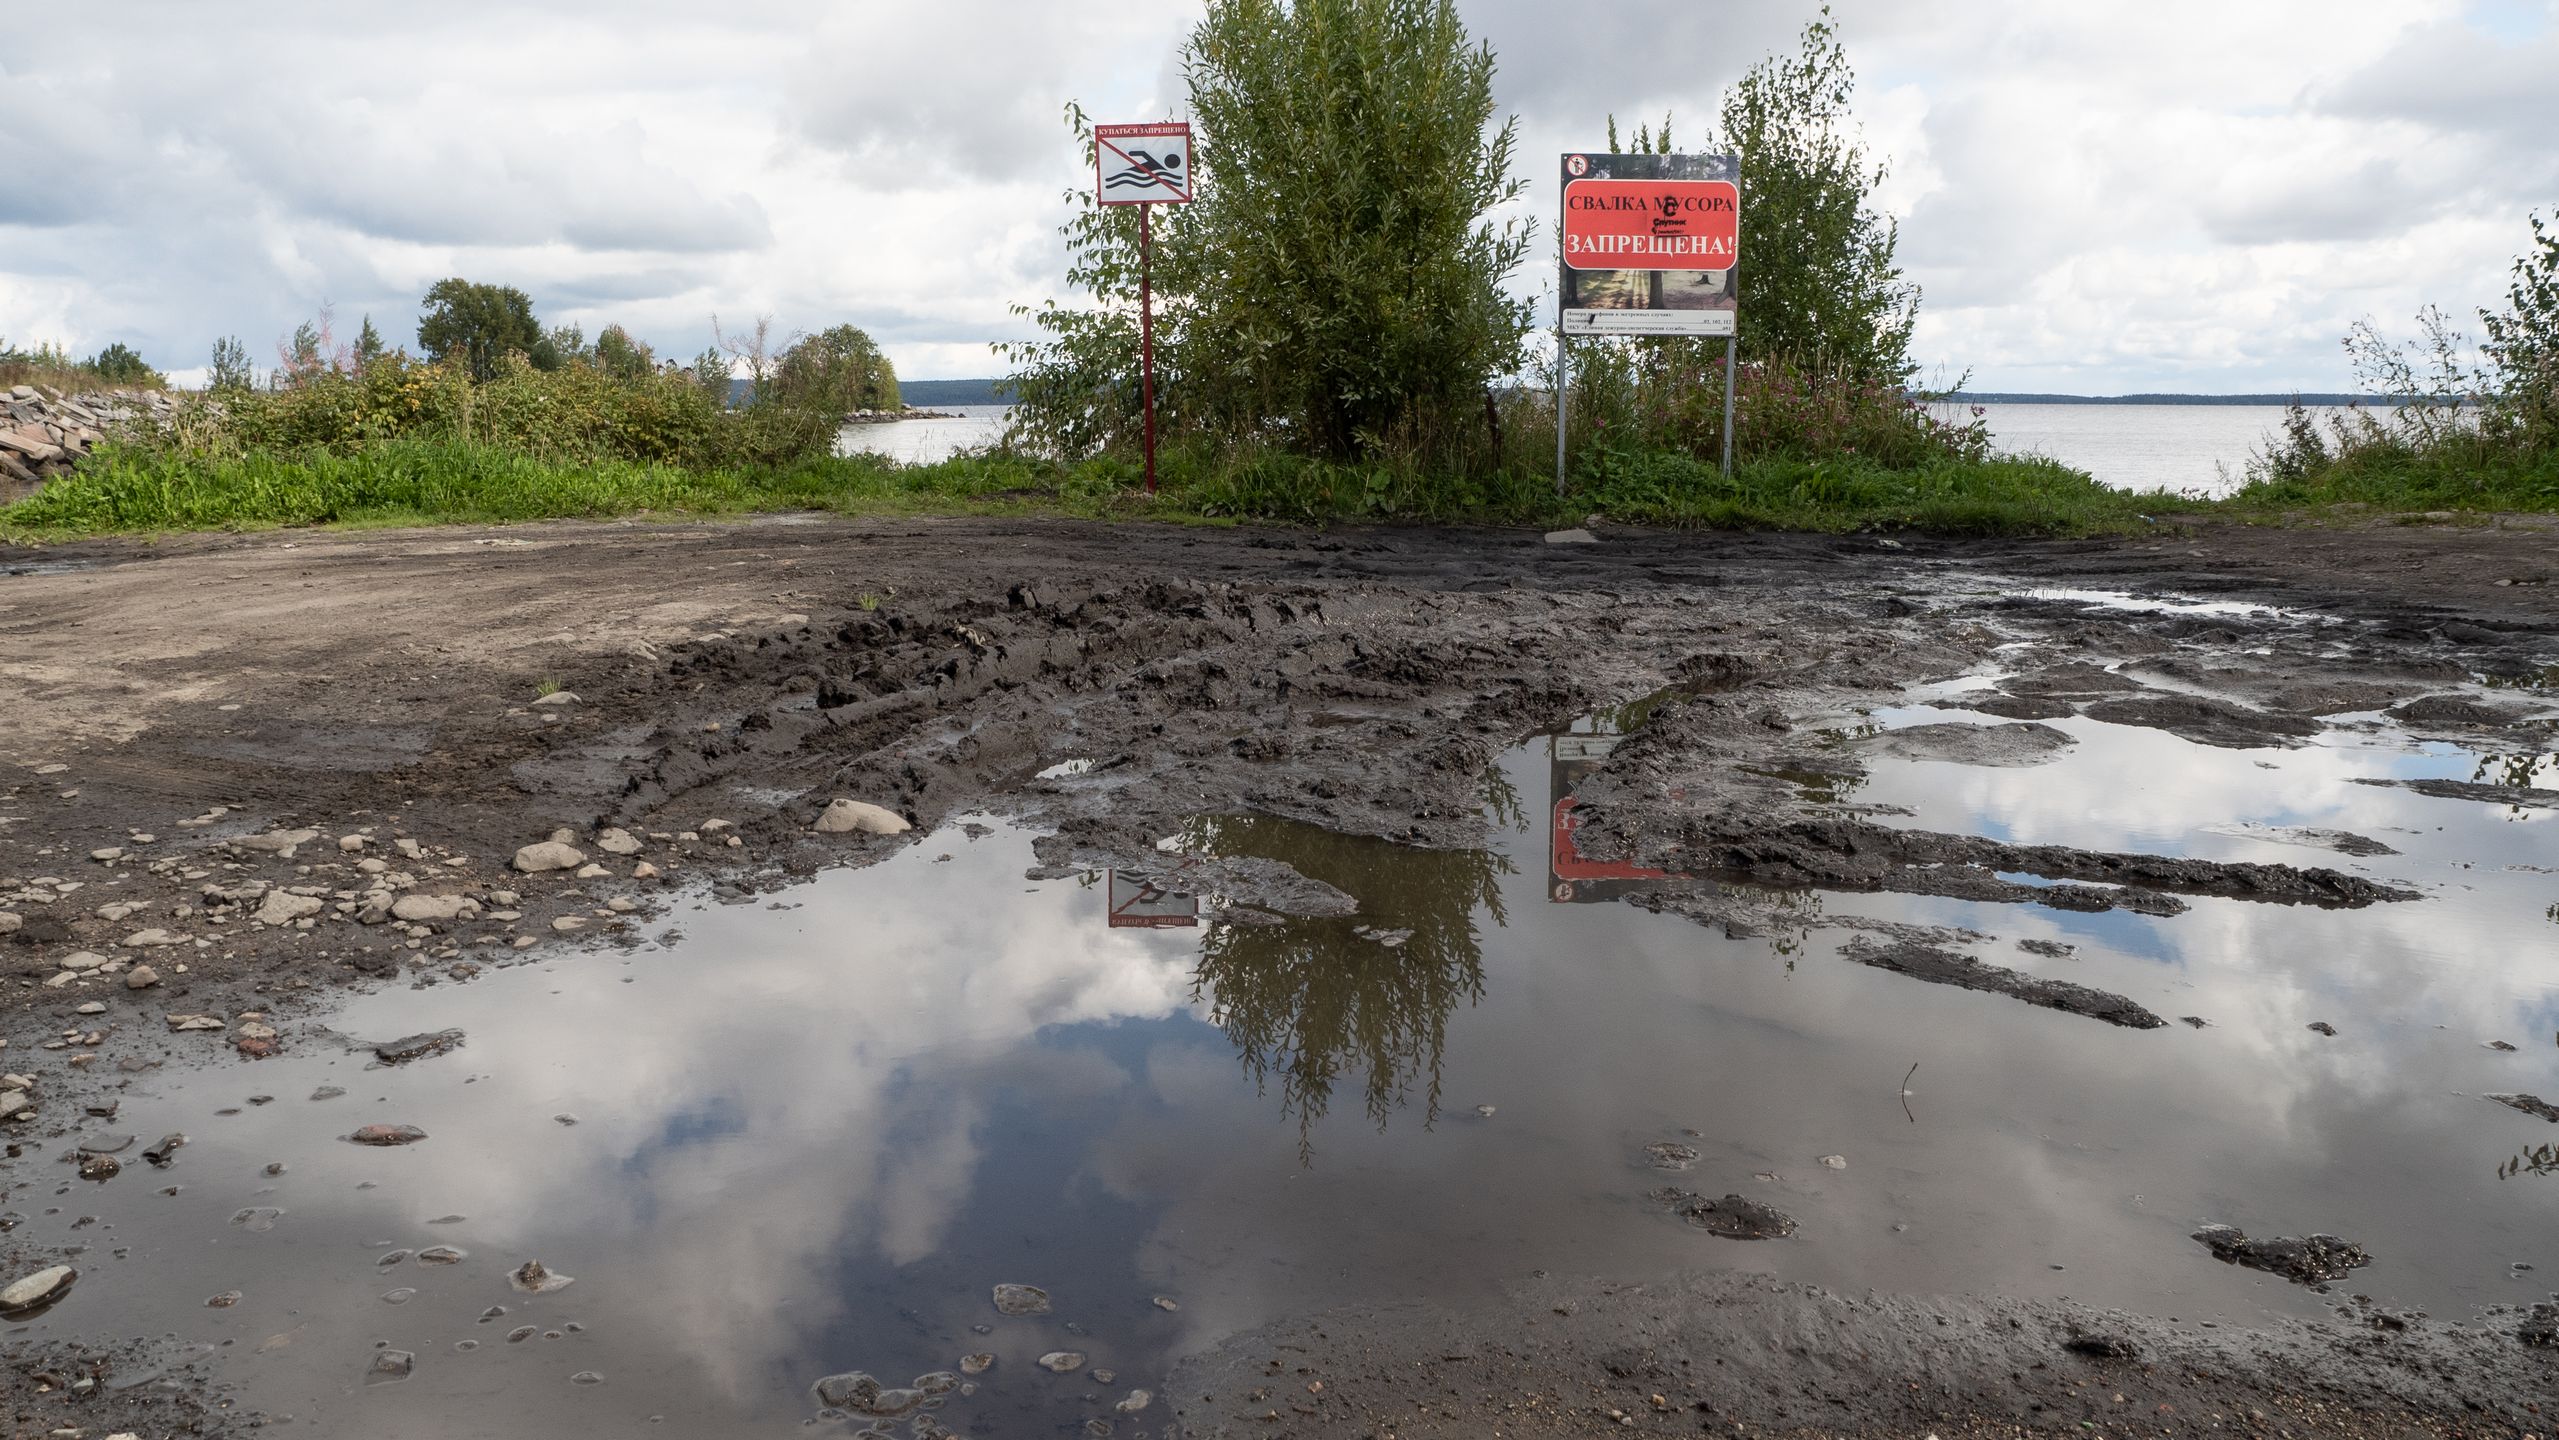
{"x":241,"y":776}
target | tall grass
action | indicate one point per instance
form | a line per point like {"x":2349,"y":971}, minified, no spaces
{"x":127,"y":489}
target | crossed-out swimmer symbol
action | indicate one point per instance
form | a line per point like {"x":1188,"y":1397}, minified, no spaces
{"x":1145,"y":172}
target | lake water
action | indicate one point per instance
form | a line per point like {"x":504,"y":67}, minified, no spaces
{"x":921,"y":442}
{"x":2142,"y":447}
{"x":2131,"y":447}
{"x":811,"y":1133}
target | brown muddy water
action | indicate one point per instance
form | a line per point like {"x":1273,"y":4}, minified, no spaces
{"x":810,"y":1134}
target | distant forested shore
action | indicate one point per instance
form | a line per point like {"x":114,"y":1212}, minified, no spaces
{"x":2284,"y":398}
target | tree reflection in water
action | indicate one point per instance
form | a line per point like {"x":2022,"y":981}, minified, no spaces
{"x":1312,"y":1000}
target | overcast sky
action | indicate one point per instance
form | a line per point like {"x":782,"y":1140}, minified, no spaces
{"x":2097,"y":197}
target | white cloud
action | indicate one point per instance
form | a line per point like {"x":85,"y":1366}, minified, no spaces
{"x":2105,"y":197}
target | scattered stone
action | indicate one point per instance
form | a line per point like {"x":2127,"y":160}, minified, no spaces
{"x":327,"y":1092}
{"x":568,"y":924}
{"x":2532,"y":1105}
{"x":1575,"y":536}
{"x":1062,"y":1362}
{"x":417,"y":1047}
{"x":351,"y":844}
{"x":849,"y":816}
{"x":141,"y":977}
{"x":549,"y":855}
{"x":223,"y":1301}
{"x":1021,"y":1300}
{"x":166,"y":1146}
{"x":197,"y":1022}
{"x":1835,"y":1162}
{"x":421,"y":909}
{"x":977,"y":1364}
{"x":2311,"y":1260}
{"x":257,"y":1219}
{"x":388,"y":1135}
{"x":862,"y":1395}
{"x":107,"y":856}
{"x":533,"y":1279}
{"x":1669,"y":1155}
{"x":587,"y":1377}
{"x":618,"y":841}
{"x":93,"y":1007}
{"x":32,"y":1293}
{"x":2322,"y":1027}
{"x":1734,"y":1217}
{"x":2503,"y":1045}
{"x":1137,"y":1400}
{"x":152,"y":939}
{"x":594,"y":872}
{"x":2197,"y":1021}
{"x":443,"y":1255}
{"x":557,"y":699}
{"x":283,"y":908}
{"x":100,"y":1167}
{"x":1167,"y":1302}
{"x":280,"y":842}
{"x":390,"y":1367}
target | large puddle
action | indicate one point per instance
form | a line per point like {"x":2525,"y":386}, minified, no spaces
{"x":811,"y":1135}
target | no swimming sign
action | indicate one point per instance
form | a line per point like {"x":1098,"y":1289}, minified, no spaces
{"x":1142,"y":164}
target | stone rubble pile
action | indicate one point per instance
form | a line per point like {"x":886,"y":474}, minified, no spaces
{"x":43,"y":431}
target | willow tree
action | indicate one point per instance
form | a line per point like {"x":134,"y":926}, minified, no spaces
{"x":1338,"y":286}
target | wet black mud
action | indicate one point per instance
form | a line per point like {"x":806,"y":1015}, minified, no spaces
{"x":1288,"y":758}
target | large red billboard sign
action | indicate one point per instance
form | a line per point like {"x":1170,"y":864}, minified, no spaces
{"x":1652,"y":224}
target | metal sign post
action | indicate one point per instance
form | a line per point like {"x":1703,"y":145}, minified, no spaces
{"x":1651,"y":245}
{"x":1144,"y":165}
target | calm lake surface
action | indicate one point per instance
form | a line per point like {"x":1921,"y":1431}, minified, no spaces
{"x":2142,"y":447}
{"x":2131,"y":447}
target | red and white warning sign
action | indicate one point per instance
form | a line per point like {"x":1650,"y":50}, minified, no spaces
{"x":1143,"y":164}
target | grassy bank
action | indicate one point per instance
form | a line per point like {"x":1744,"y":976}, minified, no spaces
{"x":129,"y":490}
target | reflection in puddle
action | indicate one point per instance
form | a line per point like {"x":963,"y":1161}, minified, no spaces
{"x":811,"y":1143}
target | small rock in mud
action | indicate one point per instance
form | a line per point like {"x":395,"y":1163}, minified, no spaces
{"x":1021,"y":1300}
{"x":548,"y":855}
{"x":257,"y":1219}
{"x":416,"y":1047}
{"x":977,"y":1364}
{"x":587,"y":1377}
{"x":2322,"y":1027}
{"x":2506,"y":1046}
{"x":162,"y":1149}
{"x":939,"y":1382}
{"x":1945,"y":967}
{"x":2311,"y":1260}
{"x":531,"y":1278}
{"x":1137,"y":1400}
{"x":31,"y":1293}
{"x":2049,"y":949}
{"x":860,"y":1394}
{"x":2013,"y":745}
{"x":390,"y":1366}
{"x":223,"y":1301}
{"x":327,"y":1092}
{"x":520,"y":1334}
{"x":2532,"y":1105}
{"x":1734,"y":1217}
{"x":1167,"y":1302}
{"x":1835,"y":1162}
{"x":845,"y":817}
{"x":443,"y":1255}
{"x":399,"y":1295}
{"x":1668,"y":1155}
{"x":388,"y":1135}
{"x":2197,"y":1021}
{"x":100,"y":1167}
{"x":1062,"y":1362}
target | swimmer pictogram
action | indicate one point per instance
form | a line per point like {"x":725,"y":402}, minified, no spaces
{"x":1142,"y":164}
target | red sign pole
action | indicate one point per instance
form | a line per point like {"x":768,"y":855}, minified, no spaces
{"x":1146,"y":329}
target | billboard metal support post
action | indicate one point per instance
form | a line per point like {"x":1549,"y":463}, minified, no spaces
{"x":1732,"y":348}
{"x":1146,"y":338}
{"x":1560,"y":349}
